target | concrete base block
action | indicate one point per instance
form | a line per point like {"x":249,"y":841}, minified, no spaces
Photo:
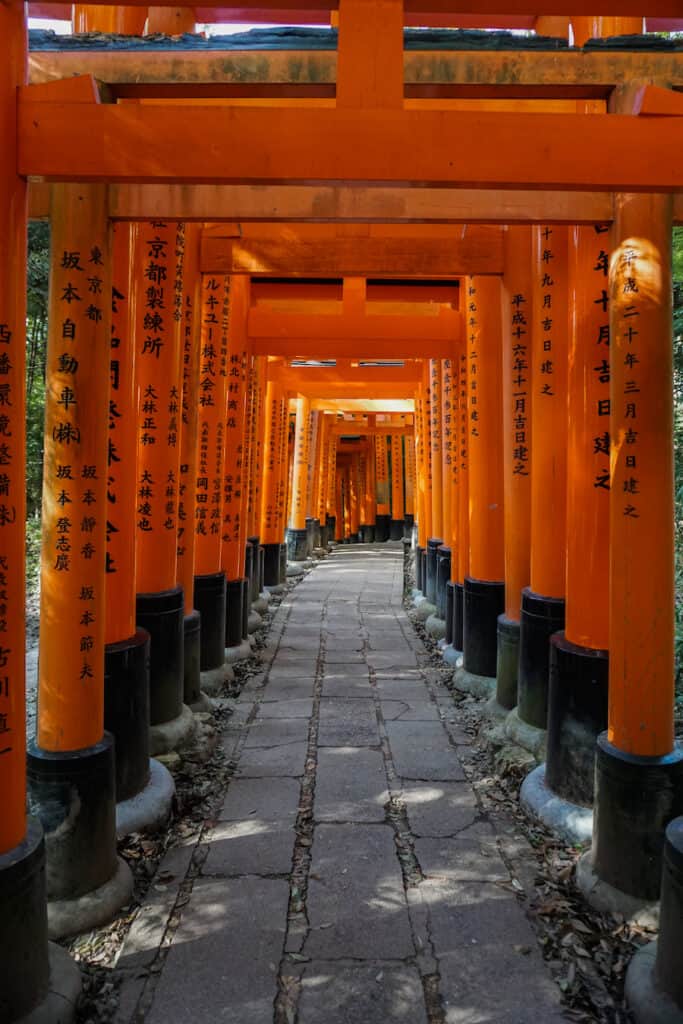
{"x":647,"y":1003}
{"x":478,"y":686}
{"x":451,"y":656}
{"x":279,"y":588}
{"x":151,"y":807}
{"x":59,"y":1005}
{"x":237,"y":653}
{"x":254,"y":621}
{"x":96,"y":908}
{"x":423,"y":610}
{"x":213,"y":681}
{"x":202,"y":706}
{"x":525,"y":735}
{"x":261,"y":603}
{"x":436,"y":627}
{"x":495,"y":712}
{"x":169,"y":736}
{"x":568,"y":821}
{"x":607,"y":900}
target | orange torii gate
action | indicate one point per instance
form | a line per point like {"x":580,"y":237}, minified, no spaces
{"x":64,"y":135}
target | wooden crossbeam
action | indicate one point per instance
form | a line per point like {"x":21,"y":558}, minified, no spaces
{"x":623,"y":8}
{"x":288,"y":254}
{"x":369,"y":347}
{"x":119,"y":143}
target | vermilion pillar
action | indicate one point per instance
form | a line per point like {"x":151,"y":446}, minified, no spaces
{"x":577,"y":707}
{"x":443,"y":558}
{"x":71,"y":765}
{"x":517,"y":320}
{"x":255,"y":460}
{"x":126,"y":666}
{"x":271,"y":528}
{"x":312,"y":526}
{"x":171,"y":21}
{"x":639,"y":772}
{"x":463,"y":540}
{"x":410,"y":478}
{"x":234,"y":531}
{"x":188,"y":293}
{"x":435,"y":538}
{"x":543,"y":601}
{"x":382,"y":487}
{"x":296,"y":534}
{"x":160,"y":602}
{"x":355,"y":493}
{"x":450,"y":484}
{"x":587,"y":27}
{"x":331,"y":488}
{"x":484,"y":589}
{"x":397,"y":487}
{"x":27,"y":960}
{"x":423,"y":500}
{"x":209,"y":580}
{"x":127,"y":21}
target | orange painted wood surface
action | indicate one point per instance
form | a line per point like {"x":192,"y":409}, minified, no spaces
{"x":236,"y":481}
{"x":13,"y":212}
{"x":72,"y":598}
{"x":641,"y":632}
{"x":133,"y":142}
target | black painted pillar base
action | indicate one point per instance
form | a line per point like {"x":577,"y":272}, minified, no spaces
{"x":382,"y":526}
{"x":126,"y":711}
{"x":408,"y":524}
{"x":443,"y":575}
{"x":577,"y":714}
{"x":507,"y":662}
{"x":331,"y":529}
{"x":297,"y":545}
{"x":668,"y":973}
{"x":458,"y":615}
{"x":324,"y":535}
{"x":253,"y":568}
{"x":484,"y":601}
{"x":210,"y":602}
{"x":635,"y":799}
{"x":234,"y":611}
{"x":315,"y":533}
{"x":283,"y":564}
{"x":309,"y":536}
{"x":354,"y":538}
{"x":450,"y":598}
{"x":23,"y":927}
{"x":163,"y":615}
{"x":396,"y":529}
{"x":540,"y":618}
{"x":367,"y":533}
{"x":429,"y":589}
{"x":246,"y":607}
{"x":271,"y":564}
{"x":192,"y":674}
{"x":419,"y":569}
{"x":72,"y":793}
{"x":261,"y":569}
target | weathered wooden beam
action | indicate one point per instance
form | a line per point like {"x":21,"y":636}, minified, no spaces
{"x":499,"y":73}
{"x":476,"y":251}
{"x":119,"y":143}
{"x":353,"y":348}
{"x":363,"y":405}
{"x":659,"y":8}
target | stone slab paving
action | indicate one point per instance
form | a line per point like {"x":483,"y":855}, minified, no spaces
{"x":350,"y":876}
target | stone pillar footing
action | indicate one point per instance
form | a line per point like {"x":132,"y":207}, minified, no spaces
{"x":238,"y":652}
{"x":606,"y":899}
{"x":476,"y":685}
{"x":73,"y":795}
{"x":526,"y":736}
{"x":126,"y":711}
{"x":150,"y":808}
{"x":569,"y":821}
{"x":452,"y":656}
{"x":507,"y":662}
{"x":214,"y":679}
{"x":436,"y":626}
{"x":577,"y":714}
{"x":484,"y":602}
{"x":171,"y":736}
{"x":635,"y":798}
{"x":64,"y":990}
{"x":162,"y":615}
{"x":654,"y":981}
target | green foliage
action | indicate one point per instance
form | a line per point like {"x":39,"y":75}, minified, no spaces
{"x":36,"y":340}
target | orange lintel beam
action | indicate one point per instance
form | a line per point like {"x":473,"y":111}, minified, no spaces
{"x":319,"y":328}
{"x":354,"y":348}
{"x":653,"y":101}
{"x":479,"y":251}
{"x":657,"y":8}
{"x":323,"y":376}
{"x":132,"y":142}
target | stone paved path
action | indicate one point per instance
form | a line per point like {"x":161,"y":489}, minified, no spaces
{"x":351,"y":876}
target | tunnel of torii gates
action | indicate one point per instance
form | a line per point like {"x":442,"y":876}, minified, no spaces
{"x":296,"y":299}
